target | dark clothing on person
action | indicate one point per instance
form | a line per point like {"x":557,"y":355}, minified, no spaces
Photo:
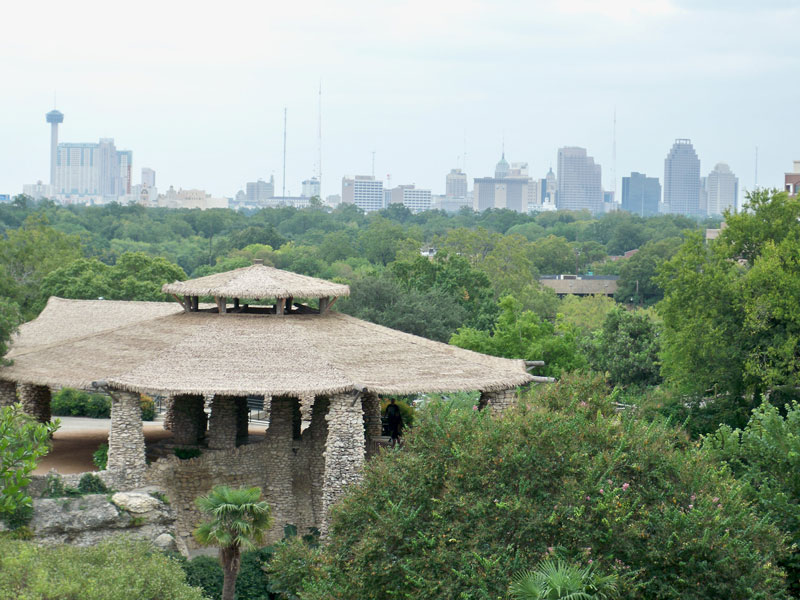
{"x":394,"y":420}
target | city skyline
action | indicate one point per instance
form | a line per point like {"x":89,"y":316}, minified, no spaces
{"x":211,"y":115}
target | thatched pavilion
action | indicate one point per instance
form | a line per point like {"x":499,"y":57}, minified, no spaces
{"x":319,"y":371}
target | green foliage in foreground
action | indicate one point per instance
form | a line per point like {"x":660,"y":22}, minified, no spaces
{"x":9,"y":320}
{"x":113,"y":570}
{"x":766,"y":457}
{"x":23,"y":442}
{"x":473,"y":499}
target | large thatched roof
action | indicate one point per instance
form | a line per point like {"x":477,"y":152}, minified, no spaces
{"x":257,"y":281}
{"x":156,"y":347}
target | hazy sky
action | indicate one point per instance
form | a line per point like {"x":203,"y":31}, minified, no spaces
{"x":197,"y":89}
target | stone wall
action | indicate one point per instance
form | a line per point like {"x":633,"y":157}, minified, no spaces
{"x":373,"y":426}
{"x":8,"y":392}
{"x":36,"y":401}
{"x":87,"y":520}
{"x":223,"y":425}
{"x":498,"y":401}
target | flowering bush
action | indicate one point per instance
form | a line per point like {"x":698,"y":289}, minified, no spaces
{"x":475,"y":499}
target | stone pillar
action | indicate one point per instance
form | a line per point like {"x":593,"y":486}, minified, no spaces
{"x":169,"y":413}
{"x":188,"y":419}
{"x":317,"y":435}
{"x":36,"y":401}
{"x":8,"y":392}
{"x":126,"y":439}
{"x":344,"y":450}
{"x":279,"y":453}
{"x":373,"y":426}
{"x":498,"y":401}
{"x":242,"y":420}
{"x":222,"y":431}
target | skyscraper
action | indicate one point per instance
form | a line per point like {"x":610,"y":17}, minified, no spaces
{"x":93,"y":172}
{"x":682,"y":179}
{"x":55,"y":118}
{"x":579,"y":181}
{"x":722,"y":187}
{"x":791,"y":181}
{"x":148,"y":177}
{"x":260,"y":191}
{"x":641,"y":194}
{"x":364,"y":191}
{"x":412,"y":198}
{"x":311,"y":188}
{"x":456,"y":184}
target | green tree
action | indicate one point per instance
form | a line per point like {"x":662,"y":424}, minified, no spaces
{"x":28,"y":255}
{"x":553,"y":255}
{"x":379,"y":240}
{"x":23,"y":442}
{"x":522,"y":334}
{"x":239,"y":521}
{"x":508,"y":266}
{"x":626,"y":348}
{"x":765,"y":455}
{"x":587,"y":313}
{"x":636,"y":283}
{"x":9,"y":321}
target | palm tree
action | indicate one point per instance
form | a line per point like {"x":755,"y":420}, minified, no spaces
{"x":239,"y":520}
{"x":563,"y":581}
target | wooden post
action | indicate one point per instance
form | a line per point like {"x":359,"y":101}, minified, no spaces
{"x":279,"y":306}
{"x":323,"y":304}
{"x":235,"y":303}
{"x":195,"y":303}
{"x":223,"y":304}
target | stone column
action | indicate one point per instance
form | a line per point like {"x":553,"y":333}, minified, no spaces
{"x":242,"y":420}
{"x":344,"y":450}
{"x":126,"y":439}
{"x":169,"y":413}
{"x":186,"y":419}
{"x":8,"y":392}
{"x":317,"y":435}
{"x":373,"y":426}
{"x":222,"y":424}
{"x":498,"y":401}
{"x":279,"y":453}
{"x":36,"y":401}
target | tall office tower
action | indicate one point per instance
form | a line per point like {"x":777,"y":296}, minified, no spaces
{"x":98,"y":172}
{"x":511,"y":193}
{"x":311,"y":188}
{"x":456,"y":184}
{"x":682,"y":179}
{"x":148,"y":177}
{"x":55,"y":118}
{"x":791,"y":181}
{"x":579,"y":181}
{"x":125,"y":165}
{"x":722,"y":189}
{"x":260,"y":191}
{"x":410,"y":197}
{"x":502,"y":168}
{"x":641,"y":194}
{"x":364,"y":191}
{"x":550,"y":188}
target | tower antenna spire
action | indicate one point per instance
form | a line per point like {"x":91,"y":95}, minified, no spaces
{"x":319,"y":140}
{"x":283,"y":193}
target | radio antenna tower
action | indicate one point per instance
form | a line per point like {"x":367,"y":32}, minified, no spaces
{"x":755,"y":185}
{"x":283,"y":193}
{"x":319,"y":141}
{"x":614,"y":159}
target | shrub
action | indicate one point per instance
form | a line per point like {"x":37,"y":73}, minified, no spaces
{"x":100,"y":457}
{"x":68,"y":402}
{"x":187,"y":453}
{"x":766,"y":456}
{"x":406,"y":410}
{"x":473,"y":499}
{"x":55,"y":488}
{"x":118,"y":569}
{"x":148,"y":408}
{"x":205,"y":572}
{"x":92,"y":484}
{"x":559,"y":580}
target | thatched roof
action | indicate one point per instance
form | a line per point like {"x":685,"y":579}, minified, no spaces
{"x":257,"y":281}
{"x":155,"y":347}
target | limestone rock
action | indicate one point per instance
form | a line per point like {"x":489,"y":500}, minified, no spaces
{"x":166,"y":542}
{"x":134,"y":502}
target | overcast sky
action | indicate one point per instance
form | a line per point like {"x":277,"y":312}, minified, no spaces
{"x":197,"y":89}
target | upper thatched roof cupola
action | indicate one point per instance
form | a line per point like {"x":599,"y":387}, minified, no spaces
{"x":256,"y":282}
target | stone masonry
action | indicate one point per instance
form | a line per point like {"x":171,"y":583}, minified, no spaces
{"x":344,"y":451}
{"x":8,"y":392}
{"x":222,"y":426}
{"x":242,"y":420}
{"x":36,"y":401}
{"x":279,"y":447}
{"x":188,"y":419}
{"x":126,"y":438}
{"x":373,"y":426}
{"x":498,"y":401}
